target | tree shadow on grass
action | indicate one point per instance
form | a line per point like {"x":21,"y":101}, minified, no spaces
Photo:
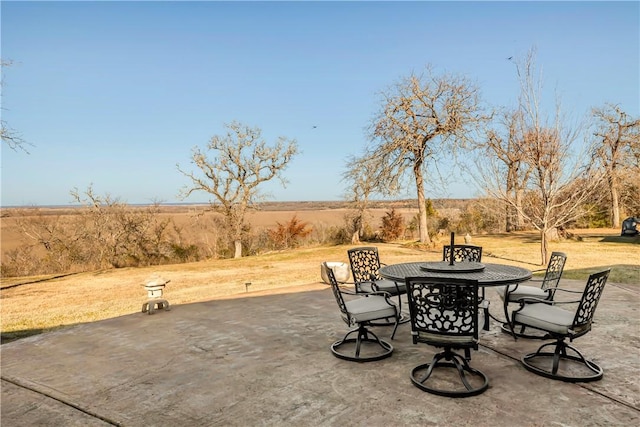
{"x":620,"y":273}
{"x":7,"y":337}
{"x":622,"y":239}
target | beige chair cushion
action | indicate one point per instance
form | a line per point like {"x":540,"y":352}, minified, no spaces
{"x":370,"y":308}
{"x":545,"y":317}
{"x":522,"y":291}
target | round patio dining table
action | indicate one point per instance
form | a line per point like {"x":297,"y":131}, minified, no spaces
{"x":485,"y":273}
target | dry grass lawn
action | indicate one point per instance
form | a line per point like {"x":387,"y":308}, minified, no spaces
{"x":34,"y":305}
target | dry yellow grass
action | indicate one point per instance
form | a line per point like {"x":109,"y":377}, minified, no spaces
{"x":48,"y":304}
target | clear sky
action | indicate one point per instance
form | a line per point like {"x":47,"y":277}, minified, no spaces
{"x":114,"y":94}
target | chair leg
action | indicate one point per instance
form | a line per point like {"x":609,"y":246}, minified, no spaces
{"x":535,"y":362}
{"x":485,"y":310}
{"x":422,"y":373}
{"x":395,"y":328}
{"x":350,"y":348}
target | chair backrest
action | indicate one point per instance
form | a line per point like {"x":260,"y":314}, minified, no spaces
{"x":442,"y":309}
{"x":589,"y":302}
{"x":554,"y":272}
{"x":365,"y":264}
{"x":462,"y":253}
{"x":337,"y":294}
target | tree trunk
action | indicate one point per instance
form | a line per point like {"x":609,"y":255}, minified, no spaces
{"x":520,"y":217}
{"x":511,"y":218}
{"x":422,"y":207}
{"x":615,"y":206}
{"x":358,"y":225}
{"x":355,"y":237}
{"x":544,"y":245}
{"x":238,"y":246}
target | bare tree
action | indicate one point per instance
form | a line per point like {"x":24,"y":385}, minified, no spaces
{"x":361,"y":178}
{"x":501,"y":148}
{"x":114,"y":234}
{"x":10,"y":136}
{"x":423,"y":118}
{"x":102,"y":233}
{"x":618,"y":135}
{"x":241,"y":161}
{"x":560,"y":182}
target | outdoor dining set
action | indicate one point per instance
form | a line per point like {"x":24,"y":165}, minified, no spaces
{"x":444,"y":300}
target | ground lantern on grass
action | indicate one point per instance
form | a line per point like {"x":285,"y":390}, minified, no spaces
{"x":155,"y":287}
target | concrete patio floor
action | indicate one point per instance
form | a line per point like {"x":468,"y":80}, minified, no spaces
{"x":264,"y":359}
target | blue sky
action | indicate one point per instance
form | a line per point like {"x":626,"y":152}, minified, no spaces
{"x":114,"y":94}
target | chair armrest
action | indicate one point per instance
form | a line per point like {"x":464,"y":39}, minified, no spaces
{"x":567,"y":290}
{"x":531,"y":300}
{"x":382,"y":293}
{"x":565,"y":302}
{"x":387,"y":296}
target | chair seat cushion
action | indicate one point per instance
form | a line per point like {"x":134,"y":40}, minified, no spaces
{"x":385,"y":286}
{"x":545,"y":317}
{"x":370,"y":308}
{"x":446,"y":340}
{"x":522,"y":291}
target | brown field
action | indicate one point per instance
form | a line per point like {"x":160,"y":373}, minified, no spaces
{"x":319,"y":215}
{"x":35,"y":304}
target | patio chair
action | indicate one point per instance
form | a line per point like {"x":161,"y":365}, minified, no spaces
{"x":544,"y":290}
{"x":561,"y":324}
{"x":365,"y":265}
{"x":469,"y":253}
{"x":358,"y":313}
{"x":462,"y":253}
{"x":444,"y":314}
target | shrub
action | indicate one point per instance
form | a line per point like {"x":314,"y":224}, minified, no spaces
{"x":392,"y":226}
{"x":288,"y":235}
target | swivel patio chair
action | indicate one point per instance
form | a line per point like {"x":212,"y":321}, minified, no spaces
{"x":469,"y":253}
{"x":560,"y":325}
{"x":444,"y":314}
{"x":365,"y":265}
{"x":545,"y":290}
{"x":359,"y":313}
{"x":462,"y":253}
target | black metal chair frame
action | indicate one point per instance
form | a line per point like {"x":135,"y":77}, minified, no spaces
{"x":365,"y":265}
{"x":470,"y":253}
{"x":360,"y":329}
{"x":549,"y":284}
{"x":462,"y":253}
{"x":444,"y":314}
{"x":581,"y":324}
